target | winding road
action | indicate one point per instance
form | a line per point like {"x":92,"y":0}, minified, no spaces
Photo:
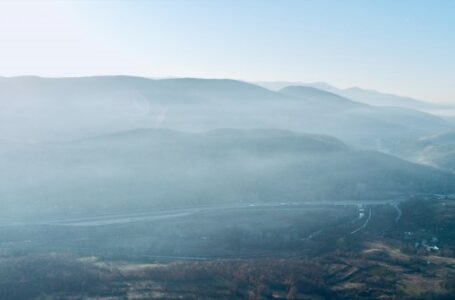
{"x":365,"y":224}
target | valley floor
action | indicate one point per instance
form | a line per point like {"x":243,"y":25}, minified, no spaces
{"x":378,"y":251}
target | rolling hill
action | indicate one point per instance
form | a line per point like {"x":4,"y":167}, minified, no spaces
{"x":149,"y":169}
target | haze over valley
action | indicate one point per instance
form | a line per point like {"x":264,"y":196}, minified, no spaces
{"x":227,"y":150}
{"x":146,"y":158}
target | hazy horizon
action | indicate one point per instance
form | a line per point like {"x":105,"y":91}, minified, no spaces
{"x":402,"y":48}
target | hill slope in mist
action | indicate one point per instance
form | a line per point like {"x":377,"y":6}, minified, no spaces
{"x":148,"y":169}
{"x":437,"y":150}
{"x":364,"y":125}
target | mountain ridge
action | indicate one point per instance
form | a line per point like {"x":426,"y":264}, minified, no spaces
{"x":362,"y":95}
{"x":40,"y":109}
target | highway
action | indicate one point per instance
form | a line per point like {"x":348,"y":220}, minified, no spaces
{"x":161,"y":214}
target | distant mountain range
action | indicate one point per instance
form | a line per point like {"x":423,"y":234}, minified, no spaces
{"x":95,"y":145}
{"x":35,"y":109}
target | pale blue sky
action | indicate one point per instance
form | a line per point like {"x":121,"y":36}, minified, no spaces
{"x":403,"y":47}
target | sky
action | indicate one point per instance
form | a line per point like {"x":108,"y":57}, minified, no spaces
{"x":405,"y":47}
